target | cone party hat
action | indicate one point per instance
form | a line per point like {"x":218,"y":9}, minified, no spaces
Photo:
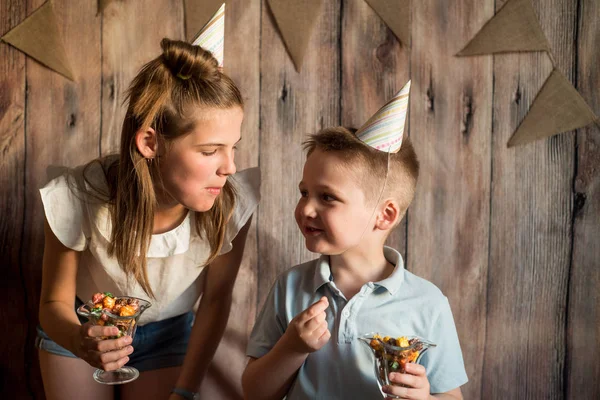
{"x":212,"y":35}
{"x":385,"y":129}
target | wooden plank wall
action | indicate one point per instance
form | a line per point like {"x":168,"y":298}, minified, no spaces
{"x":509,"y":235}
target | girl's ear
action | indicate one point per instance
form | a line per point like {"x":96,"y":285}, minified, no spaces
{"x":146,"y":142}
{"x":389,"y":215}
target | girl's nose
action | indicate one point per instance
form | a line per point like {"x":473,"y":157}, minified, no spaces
{"x":228,"y":166}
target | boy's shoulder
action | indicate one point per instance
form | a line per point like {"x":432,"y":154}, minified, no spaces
{"x":416,"y":286}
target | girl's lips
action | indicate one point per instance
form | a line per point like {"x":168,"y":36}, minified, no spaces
{"x":214,"y":190}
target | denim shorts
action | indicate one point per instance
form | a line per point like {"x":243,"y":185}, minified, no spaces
{"x":156,"y":345}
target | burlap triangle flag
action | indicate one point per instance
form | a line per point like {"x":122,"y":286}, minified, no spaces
{"x":212,"y":35}
{"x":514,"y":28}
{"x":396,"y":15}
{"x":295,"y":20}
{"x":38,"y":36}
{"x":557,"y":108}
{"x":197,"y":15}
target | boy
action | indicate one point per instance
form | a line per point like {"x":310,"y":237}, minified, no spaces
{"x":305,"y":342}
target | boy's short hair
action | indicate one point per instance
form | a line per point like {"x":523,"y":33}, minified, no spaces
{"x":370,"y":165}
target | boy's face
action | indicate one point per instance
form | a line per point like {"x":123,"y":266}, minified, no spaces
{"x":332,"y":212}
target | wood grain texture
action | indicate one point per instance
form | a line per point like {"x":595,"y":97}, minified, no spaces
{"x":450,"y":127}
{"x":131,"y":35}
{"x":530,"y":226}
{"x":582,"y":369}
{"x":375,"y":66}
{"x":242,"y":59}
{"x":292,"y":105}
{"x":62,"y":120}
{"x":13,"y":372}
{"x":509,"y":235}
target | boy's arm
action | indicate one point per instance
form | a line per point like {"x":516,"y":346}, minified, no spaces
{"x":270,"y":376}
{"x":279,"y":365}
{"x":454,"y":394}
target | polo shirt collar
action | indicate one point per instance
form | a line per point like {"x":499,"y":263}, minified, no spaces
{"x":392,"y":283}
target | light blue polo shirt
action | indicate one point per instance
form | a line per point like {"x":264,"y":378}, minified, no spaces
{"x":401,"y":305}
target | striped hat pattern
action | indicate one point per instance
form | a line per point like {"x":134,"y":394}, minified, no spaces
{"x":212,"y":35}
{"x":385,"y":129}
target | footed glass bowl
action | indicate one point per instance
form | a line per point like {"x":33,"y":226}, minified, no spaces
{"x":127,"y":325}
{"x":391,"y":354}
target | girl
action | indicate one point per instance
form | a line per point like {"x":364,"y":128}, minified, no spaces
{"x":146,"y":223}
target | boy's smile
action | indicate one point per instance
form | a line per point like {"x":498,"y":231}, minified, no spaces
{"x":331,"y":212}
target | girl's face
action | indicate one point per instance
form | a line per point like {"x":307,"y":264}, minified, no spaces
{"x":332,"y":212}
{"x":195,"y":167}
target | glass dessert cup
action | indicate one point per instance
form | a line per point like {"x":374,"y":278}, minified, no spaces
{"x":389,"y":358}
{"x":127,"y":325}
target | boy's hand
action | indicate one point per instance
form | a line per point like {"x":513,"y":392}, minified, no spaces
{"x":416,"y":381}
{"x":308,"y":331}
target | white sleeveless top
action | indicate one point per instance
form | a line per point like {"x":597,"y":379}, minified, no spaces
{"x":175,"y":258}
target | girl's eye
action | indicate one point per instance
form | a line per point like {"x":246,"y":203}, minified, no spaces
{"x":303,"y":193}
{"x":209,"y":153}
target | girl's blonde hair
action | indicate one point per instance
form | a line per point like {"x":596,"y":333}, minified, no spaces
{"x":162,"y":96}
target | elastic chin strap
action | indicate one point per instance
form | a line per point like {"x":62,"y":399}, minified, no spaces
{"x":387,"y":172}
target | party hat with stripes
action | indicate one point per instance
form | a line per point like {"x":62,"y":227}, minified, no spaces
{"x":212,"y":36}
{"x":385,"y":129}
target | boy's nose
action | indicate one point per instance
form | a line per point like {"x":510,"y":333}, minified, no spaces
{"x":308,"y":209}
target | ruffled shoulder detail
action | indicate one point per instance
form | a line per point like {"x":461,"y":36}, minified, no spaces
{"x":247,"y":184}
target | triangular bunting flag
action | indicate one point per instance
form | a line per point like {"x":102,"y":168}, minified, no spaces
{"x":514,"y":28}
{"x":38,"y":36}
{"x":197,"y":14}
{"x":396,"y":15}
{"x":557,"y":108}
{"x":212,"y":35}
{"x":385,"y":129}
{"x":295,"y":20}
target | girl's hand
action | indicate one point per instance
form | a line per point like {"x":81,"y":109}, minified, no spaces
{"x":416,"y":381}
{"x":308,"y":331}
{"x":106,"y":354}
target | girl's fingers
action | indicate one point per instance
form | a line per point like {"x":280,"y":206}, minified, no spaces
{"x":111,"y":366}
{"x":111,"y":344}
{"x":114,"y":356}
{"x":97,"y":331}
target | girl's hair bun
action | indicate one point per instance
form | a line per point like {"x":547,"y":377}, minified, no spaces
{"x":186,"y":61}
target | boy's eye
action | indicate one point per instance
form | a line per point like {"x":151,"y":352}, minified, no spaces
{"x":327,"y":197}
{"x":209,"y":153}
{"x":303,"y":193}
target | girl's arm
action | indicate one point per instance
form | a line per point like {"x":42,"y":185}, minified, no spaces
{"x":212,"y":314}
{"x":57,"y":310}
